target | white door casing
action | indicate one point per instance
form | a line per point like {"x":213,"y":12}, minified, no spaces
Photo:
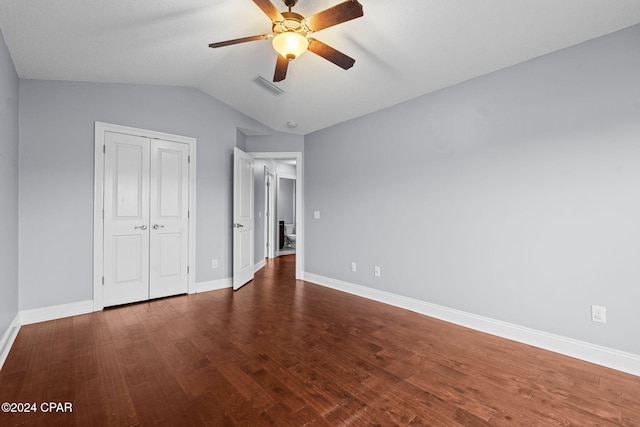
{"x":243,"y":220}
{"x":269,"y":217}
{"x":163,"y":188}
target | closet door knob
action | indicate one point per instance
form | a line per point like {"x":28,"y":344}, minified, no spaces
{"x":141,"y":227}
{"x":156,"y":226}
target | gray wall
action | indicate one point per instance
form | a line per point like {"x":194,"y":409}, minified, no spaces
{"x":276,"y":142}
{"x":56,"y":176}
{"x":241,"y":140}
{"x":514,"y":196}
{"x":8,"y":189}
{"x":286,"y":200}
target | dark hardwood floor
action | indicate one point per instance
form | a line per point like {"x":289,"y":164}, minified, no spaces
{"x":289,"y":353}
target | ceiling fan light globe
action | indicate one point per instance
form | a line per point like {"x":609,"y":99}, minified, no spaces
{"x":290,"y":44}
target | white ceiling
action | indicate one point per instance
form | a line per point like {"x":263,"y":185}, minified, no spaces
{"x":403,"y":49}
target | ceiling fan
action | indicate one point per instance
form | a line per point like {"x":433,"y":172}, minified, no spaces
{"x":291,"y":33}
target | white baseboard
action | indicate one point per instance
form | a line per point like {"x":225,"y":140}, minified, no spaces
{"x":8,"y":338}
{"x":213,"y":285}
{"x":608,"y":357}
{"x":259,"y":265}
{"x":55,"y":312}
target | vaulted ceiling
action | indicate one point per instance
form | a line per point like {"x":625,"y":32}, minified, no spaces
{"x":403,"y":49}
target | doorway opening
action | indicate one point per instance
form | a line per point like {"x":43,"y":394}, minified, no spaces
{"x":282,"y":232}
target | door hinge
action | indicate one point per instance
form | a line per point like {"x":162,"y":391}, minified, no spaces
{"x":102,"y":280}
{"x":187,"y":269}
{"x":104,"y":148}
{"x":188,"y":159}
{"x":188,"y":214}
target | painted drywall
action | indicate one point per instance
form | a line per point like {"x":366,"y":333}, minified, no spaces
{"x":275,"y":142}
{"x":241,"y":140}
{"x":514,"y":196}
{"x":286,"y":200}
{"x":8,"y":189}
{"x":56,"y":173}
{"x":285,"y":169}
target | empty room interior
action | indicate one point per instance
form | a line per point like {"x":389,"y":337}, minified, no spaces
{"x":423,"y":213}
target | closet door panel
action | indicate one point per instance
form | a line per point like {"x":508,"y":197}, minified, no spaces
{"x":126,"y":219}
{"x":169,"y":218}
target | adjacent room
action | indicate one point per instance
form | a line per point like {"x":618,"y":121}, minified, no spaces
{"x":279,"y":212}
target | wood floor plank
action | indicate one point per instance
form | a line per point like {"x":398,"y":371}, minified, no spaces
{"x":284,"y":352}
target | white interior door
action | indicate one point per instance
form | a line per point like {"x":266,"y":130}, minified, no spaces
{"x":270,"y":217}
{"x":126,"y":219}
{"x":169,"y":222}
{"x":146,"y":218}
{"x":243,"y":237}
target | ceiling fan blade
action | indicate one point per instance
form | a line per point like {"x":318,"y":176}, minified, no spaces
{"x":267,"y":7}
{"x":330,"y":54}
{"x":282,"y":64}
{"x":241,"y":40}
{"x":337,"y":14}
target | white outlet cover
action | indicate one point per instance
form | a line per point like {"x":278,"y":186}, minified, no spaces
{"x":316,"y":214}
{"x":598,"y":314}
{"x":353,"y":267}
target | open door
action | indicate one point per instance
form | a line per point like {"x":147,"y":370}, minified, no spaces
{"x":243,"y":238}
{"x":269,"y":214}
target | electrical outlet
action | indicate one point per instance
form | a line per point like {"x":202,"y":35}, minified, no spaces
{"x":316,"y":214}
{"x":598,"y":314}
{"x":214,"y":263}
{"x":376,"y":271}
{"x":353,"y":267}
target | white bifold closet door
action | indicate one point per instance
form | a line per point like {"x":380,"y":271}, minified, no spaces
{"x":146,"y":218}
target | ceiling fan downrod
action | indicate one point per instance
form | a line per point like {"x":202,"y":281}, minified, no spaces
{"x":290,"y":3}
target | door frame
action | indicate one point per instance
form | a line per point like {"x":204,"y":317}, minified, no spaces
{"x":269,"y":207}
{"x":299,"y":201}
{"x":98,"y":201}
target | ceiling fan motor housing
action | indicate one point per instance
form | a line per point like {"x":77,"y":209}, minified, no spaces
{"x":290,"y":3}
{"x":292,"y":22}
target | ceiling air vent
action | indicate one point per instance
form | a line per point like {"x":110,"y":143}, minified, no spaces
{"x":268,"y":85}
